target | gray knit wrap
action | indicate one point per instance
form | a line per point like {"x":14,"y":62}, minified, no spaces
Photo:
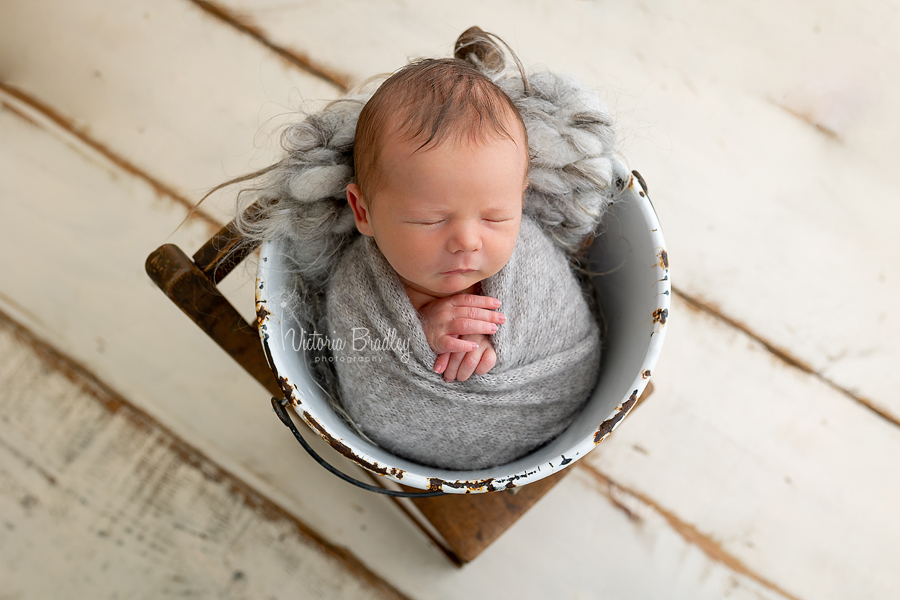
{"x":575,"y":175}
{"x":548,"y":354}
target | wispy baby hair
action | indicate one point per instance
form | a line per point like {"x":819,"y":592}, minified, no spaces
{"x":429,"y":101}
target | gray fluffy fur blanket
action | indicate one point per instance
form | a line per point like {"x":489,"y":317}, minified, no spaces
{"x":547,"y":360}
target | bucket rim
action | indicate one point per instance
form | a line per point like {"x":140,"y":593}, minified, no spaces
{"x":491,"y":479}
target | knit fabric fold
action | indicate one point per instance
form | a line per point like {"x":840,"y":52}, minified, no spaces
{"x":548,"y":357}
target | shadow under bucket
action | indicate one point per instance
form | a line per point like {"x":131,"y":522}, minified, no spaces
{"x":633,"y":288}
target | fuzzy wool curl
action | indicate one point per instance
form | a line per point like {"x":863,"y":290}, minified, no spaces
{"x":574,"y":176}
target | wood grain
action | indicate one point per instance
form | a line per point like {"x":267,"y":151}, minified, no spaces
{"x":113,"y":505}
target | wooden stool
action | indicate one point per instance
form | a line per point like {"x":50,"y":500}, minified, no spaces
{"x":461,"y":525}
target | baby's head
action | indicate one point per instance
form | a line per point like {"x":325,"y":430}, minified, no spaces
{"x":441,"y":161}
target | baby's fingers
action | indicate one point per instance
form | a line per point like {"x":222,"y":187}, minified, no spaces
{"x":440,"y":365}
{"x":475,"y":300}
{"x":471,"y":327}
{"x":449,"y":343}
{"x":453,"y":366}
{"x":488,"y":360}
{"x":479,"y":314}
{"x":469,"y":363}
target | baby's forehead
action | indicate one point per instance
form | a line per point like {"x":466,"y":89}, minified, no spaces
{"x":465,"y":121}
{"x":449,"y":165}
{"x":398,"y":145}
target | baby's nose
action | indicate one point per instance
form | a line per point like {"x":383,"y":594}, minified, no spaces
{"x":466,"y":237}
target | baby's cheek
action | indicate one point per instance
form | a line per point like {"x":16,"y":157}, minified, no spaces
{"x":506,"y":246}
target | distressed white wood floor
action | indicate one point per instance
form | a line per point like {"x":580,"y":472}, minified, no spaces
{"x":137,"y":460}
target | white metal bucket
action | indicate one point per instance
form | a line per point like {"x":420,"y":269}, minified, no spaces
{"x":634,"y":292}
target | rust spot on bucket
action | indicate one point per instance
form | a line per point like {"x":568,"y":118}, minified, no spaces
{"x":660,"y":315}
{"x":436,"y":484}
{"x":285,"y":386}
{"x":645,"y":374}
{"x":608,"y":425}
{"x":262,"y":313}
{"x":664,"y":259}
{"x":470,"y":486}
{"x":641,"y":181}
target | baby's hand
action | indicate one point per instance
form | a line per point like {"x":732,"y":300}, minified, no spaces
{"x":448,"y":320}
{"x":461,"y":365}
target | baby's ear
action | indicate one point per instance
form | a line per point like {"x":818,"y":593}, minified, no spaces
{"x":360,"y":211}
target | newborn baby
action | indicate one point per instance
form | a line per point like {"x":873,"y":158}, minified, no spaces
{"x":427,"y":365}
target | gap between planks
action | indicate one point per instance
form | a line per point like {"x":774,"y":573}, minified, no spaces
{"x":68,"y":125}
{"x":783,"y":355}
{"x":252,"y":499}
{"x":242,"y":24}
{"x":690,"y":534}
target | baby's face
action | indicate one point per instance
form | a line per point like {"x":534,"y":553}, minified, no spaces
{"x":446,"y":217}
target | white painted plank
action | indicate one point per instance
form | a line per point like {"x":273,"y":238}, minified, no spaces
{"x":101,"y":503}
{"x":777,"y":467}
{"x":767,"y":132}
{"x":153,"y":354}
{"x":161,"y":84}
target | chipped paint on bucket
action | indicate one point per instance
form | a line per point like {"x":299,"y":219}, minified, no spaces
{"x":631,"y":266}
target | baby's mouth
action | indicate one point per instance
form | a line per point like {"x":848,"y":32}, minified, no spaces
{"x":458,"y":271}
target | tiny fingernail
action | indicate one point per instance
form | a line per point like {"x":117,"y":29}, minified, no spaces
{"x":473,"y":346}
{"x":493,"y":328}
{"x":502,"y":317}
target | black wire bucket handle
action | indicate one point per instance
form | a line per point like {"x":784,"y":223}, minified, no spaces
{"x":279,"y":407}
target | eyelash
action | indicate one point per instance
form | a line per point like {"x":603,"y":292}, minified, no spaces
{"x":439,"y":222}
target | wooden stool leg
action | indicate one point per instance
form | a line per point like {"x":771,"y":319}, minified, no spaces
{"x":194,"y":293}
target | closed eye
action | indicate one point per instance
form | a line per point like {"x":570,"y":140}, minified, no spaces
{"x":425,"y":222}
